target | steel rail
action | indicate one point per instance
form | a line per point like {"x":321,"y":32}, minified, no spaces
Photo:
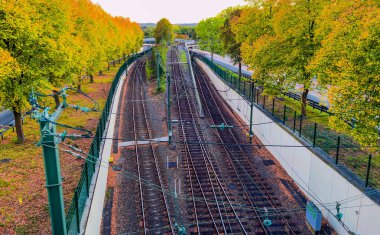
{"x":138,"y":75}
{"x":221,"y":187}
{"x":222,"y":116}
{"x":208,"y":164}
{"x":155,"y":158}
{"x":136,"y":149}
{"x":188,"y":150}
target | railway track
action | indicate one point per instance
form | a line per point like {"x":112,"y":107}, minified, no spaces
{"x":256,"y":192}
{"x":211,"y":209}
{"x":153,"y":216}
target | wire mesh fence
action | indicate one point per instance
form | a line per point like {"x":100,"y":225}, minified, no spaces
{"x":341,"y":148}
{"x":81,"y":194}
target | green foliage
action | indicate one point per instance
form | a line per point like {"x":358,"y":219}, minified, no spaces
{"x":281,"y":43}
{"x":158,"y":63}
{"x":325,"y":45}
{"x":231,"y":44}
{"x":148,"y":31}
{"x":185,"y":32}
{"x":349,"y":61}
{"x":46,"y":44}
{"x":182,"y":57}
{"x":163,"y":33}
{"x":208,"y":35}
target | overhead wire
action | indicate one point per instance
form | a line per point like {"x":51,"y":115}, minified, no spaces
{"x":134,"y":177}
{"x":127,"y":174}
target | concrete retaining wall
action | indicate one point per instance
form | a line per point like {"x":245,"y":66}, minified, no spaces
{"x":320,"y":182}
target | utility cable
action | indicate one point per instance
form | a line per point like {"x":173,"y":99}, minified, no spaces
{"x":168,"y":192}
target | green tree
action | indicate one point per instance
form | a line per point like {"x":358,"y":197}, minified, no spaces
{"x":295,"y":25}
{"x":231,"y":44}
{"x":148,"y":32}
{"x":253,"y":29}
{"x":26,"y":44}
{"x":349,"y":62}
{"x":163,"y":31}
{"x":283,"y":43}
{"x":55,"y":43}
{"x":185,"y":31}
{"x":208,"y":35}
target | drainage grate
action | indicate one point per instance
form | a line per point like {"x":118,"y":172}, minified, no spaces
{"x":268,"y":162}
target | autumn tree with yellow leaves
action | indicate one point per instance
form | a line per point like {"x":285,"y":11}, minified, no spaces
{"x":314,"y":44}
{"x":46,"y":44}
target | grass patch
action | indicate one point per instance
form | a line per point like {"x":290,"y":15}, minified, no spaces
{"x":23,"y":196}
{"x":182,"y":56}
{"x":350,"y":153}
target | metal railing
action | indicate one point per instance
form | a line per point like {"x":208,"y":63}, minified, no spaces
{"x":82,"y":191}
{"x":339,"y":149}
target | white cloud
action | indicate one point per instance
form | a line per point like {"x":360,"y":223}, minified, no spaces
{"x":177,"y":11}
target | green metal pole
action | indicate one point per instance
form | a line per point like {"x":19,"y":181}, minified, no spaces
{"x":53,"y":178}
{"x":169,"y":114}
{"x":337,"y":151}
{"x":251,"y":117}
{"x":315,"y":134}
{"x":300,"y":133}
{"x":368,"y":171}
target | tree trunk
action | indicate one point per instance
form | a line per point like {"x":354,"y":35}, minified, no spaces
{"x":108,"y":68}
{"x":240,"y":70}
{"x":304,"y":102}
{"x":212,"y":56}
{"x":18,"y":125}
{"x":56,"y":98}
{"x":100,"y":73}
{"x":239,"y":73}
{"x":79,"y":87}
{"x":91,"y":78}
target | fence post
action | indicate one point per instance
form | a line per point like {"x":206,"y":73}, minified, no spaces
{"x":251,"y":116}
{"x":253,"y":93}
{"x":76,"y":198}
{"x":284,"y":115}
{"x":244,"y":92}
{"x":337,"y":151}
{"x":315,"y":134}
{"x":273,"y":106}
{"x":264,"y":102}
{"x":294,"y":121}
{"x":257,"y":96}
{"x":368,"y":170}
{"x":87,"y":183}
{"x":300,"y":126}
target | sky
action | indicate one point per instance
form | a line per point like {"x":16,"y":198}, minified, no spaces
{"x":177,"y":11}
